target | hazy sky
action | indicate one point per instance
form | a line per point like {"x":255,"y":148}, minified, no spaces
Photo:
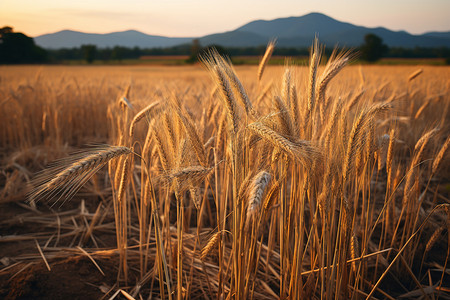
{"x":183,"y":18}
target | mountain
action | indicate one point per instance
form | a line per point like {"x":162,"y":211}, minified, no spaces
{"x":289,"y":32}
{"x":300,"y":31}
{"x":130,"y":38}
{"x":445,"y":35}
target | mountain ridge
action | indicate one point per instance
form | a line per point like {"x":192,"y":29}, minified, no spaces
{"x":289,"y":32}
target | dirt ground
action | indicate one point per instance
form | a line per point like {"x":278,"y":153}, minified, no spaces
{"x":70,"y":273}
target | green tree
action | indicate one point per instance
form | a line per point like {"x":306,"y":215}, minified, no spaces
{"x":373,"y":48}
{"x":117,"y":53}
{"x":89,"y":53}
{"x":194,"y":51}
{"x":17,"y":48}
{"x":197,"y":52}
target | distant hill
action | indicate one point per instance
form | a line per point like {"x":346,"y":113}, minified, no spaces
{"x":129,"y":38}
{"x":445,"y":35}
{"x":289,"y":32}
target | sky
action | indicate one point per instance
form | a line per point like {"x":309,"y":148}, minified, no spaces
{"x":193,"y":18}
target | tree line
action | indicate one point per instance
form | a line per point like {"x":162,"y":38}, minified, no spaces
{"x":18,"y":48}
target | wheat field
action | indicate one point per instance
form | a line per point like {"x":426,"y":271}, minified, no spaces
{"x":325,"y":181}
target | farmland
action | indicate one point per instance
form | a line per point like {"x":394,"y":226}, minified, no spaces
{"x":314,"y":181}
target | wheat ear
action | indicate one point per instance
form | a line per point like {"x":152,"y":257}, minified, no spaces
{"x":265,"y":59}
{"x":256,"y":190}
{"x":123,"y":179}
{"x":236,"y":83}
{"x":162,"y":151}
{"x":354,"y":250}
{"x":414,"y":75}
{"x":286,"y":87}
{"x":147,"y":111}
{"x":421,"y":144}
{"x":283,"y":116}
{"x":212,"y":243}
{"x":300,"y":150}
{"x":272,"y":195}
{"x":433,"y":239}
{"x":188,"y":177}
{"x":439,"y":157}
{"x":335,"y":64}
{"x":359,"y":126}
{"x":313,"y":66}
{"x":194,"y":137}
{"x":390,"y":156}
{"x":69,"y":175}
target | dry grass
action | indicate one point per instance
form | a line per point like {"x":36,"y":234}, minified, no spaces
{"x":308,"y":183}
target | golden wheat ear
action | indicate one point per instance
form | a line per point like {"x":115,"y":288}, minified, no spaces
{"x":265,"y":59}
{"x":61,"y":181}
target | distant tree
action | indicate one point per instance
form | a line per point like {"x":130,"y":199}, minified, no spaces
{"x":117,"y":53}
{"x":89,"y":53}
{"x":219,"y":49}
{"x":198,"y":52}
{"x":194,"y":51}
{"x":373,"y":48}
{"x":17,"y":48}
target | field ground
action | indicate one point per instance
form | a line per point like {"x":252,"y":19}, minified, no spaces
{"x":94,"y":247}
{"x":180,"y":60}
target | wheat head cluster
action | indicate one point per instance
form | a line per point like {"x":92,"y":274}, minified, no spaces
{"x":316,"y":182}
